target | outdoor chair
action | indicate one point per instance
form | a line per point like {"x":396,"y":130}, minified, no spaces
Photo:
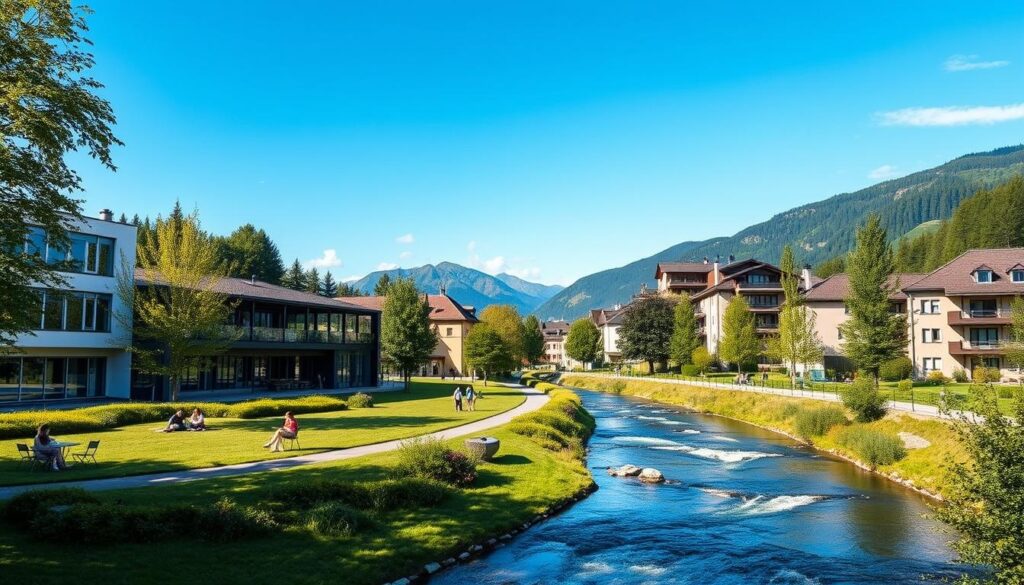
{"x":89,"y":453}
{"x":28,"y":457}
{"x":294,"y":441}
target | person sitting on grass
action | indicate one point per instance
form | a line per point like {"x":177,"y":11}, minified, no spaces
{"x":289,"y":430}
{"x":197,"y":422}
{"x":176,"y":422}
{"x":45,"y":450}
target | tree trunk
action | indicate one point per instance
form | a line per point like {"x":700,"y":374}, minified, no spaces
{"x":650,"y":365}
{"x":485,"y":378}
{"x":406,"y":377}
{"x":175,"y":388}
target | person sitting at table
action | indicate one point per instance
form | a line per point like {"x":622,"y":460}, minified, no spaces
{"x":176,"y":422}
{"x":289,"y":430}
{"x":197,"y":422}
{"x":46,"y":449}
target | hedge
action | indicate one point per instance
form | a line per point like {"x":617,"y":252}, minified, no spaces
{"x":562,"y":423}
{"x":19,"y":425}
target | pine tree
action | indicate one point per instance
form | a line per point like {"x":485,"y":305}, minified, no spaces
{"x":406,"y":336}
{"x":249,"y":252}
{"x":123,"y":218}
{"x":797,"y":342}
{"x":874,"y":333}
{"x":311,"y":282}
{"x":294,"y":278}
{"x":684,"y":332}
{"x":383,"y":283}
{"x":739,"y":344}
{"x":328,"y":287}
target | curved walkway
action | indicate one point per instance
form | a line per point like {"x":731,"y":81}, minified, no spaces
{"x":534,"y":400}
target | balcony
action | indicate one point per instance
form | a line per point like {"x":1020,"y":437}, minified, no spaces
{"x":767,"y":329}
{"x":976,"y":347}
{"x":279,"y":335}
{"x":979,"y":317}
{"x":760,"y":285}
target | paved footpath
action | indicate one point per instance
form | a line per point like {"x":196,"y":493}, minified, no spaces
{"x":534,"y":400}
{"x":925,"y":410}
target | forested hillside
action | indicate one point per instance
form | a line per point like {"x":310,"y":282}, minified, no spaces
{"x":992,"y":218}
{"x":819,"y":231}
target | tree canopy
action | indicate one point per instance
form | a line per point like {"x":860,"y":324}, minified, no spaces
{"x":406,"y":336}
{"x":797,"y":342}
{"x":583,"y":342}
{"x":49,"y":108}
{"x":739,"y":344}
{"x":646,"y":330}
{"x":249,"y":252}
{"x":382,"y":286}
{"x":487,"y":351}
{"x":505,"y":320}
{"x":533,"y":340}
{"x":684,"y":332}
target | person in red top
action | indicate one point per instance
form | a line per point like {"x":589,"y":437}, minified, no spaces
{"x":289,"y":430}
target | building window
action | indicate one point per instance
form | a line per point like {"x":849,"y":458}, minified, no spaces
{"x":931,"y":335}
{"x":983,"y":276}
{"x":930,"y":307}
{"x":38,"y":378}
{"x":449,"y":331}
{"x":764,"y":300}
{"x":932,"y":364}
{"x":1017,"y":276}
{"x":990,"y":362}
{"x":87,"y":253}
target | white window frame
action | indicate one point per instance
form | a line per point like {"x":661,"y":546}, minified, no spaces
{"x":977,"y":276}
{"x":1017,"y":275}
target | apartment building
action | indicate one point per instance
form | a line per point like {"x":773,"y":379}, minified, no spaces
{"x":554,"y":333}
{"x":76,"y":349}
{"x":827,"y":299}
{"x":450,"y":319}
{"x":960,"y":312}
{"x":712,"y":285}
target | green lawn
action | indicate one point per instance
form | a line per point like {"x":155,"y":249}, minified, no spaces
{"x":521,"y":482}
{"x":137,"y":449}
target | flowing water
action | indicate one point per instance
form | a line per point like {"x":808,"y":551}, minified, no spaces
{"x":743,"y":505}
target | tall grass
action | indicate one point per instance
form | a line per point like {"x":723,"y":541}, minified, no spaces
{"x":872,"y":446}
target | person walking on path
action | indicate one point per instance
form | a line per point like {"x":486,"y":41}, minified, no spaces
{"x":470,"y":398}
{"x":457,"y":396}
{"x":289,"y":430}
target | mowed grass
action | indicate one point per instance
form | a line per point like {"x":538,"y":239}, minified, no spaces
{"x":132,"y":450}
{"x":523,"y":481}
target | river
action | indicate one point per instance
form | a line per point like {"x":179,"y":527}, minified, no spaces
{"x":743,"y":505}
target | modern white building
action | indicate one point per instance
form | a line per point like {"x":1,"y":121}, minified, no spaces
{"x":76,"y":351}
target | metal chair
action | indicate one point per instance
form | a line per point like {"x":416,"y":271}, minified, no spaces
{"x":294,"y":441}
{"x":89,"y":453}
{"x":28,"y":457}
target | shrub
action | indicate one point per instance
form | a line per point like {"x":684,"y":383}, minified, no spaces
{"x":816,"y":422}
{"x":983,"y":375}
{"x":433,"y":459}
{"x":378,"y":495}
{"x":937,"y":378}
{"x":690,"y":370}
{"x":960,"y":375}
{"x":905,"y":386}
{"x":22,"y":508}
{"x":360,"y":400}
{"x":277,"y":407}
{"x":896,"y":369}
{"x":873,"y":447}
{"x":335,"y":519}
{"x":226,"y":521}
{"x":864,"y":400}
{"x":409,"y":492}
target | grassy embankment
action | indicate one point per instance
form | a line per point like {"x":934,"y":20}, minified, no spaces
{"x":923,"y":468}
{"x":531,"y":475}
{"x":136,"y":449}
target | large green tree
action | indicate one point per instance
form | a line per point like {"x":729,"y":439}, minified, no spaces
{"x":406,"y":336}
{"x":250,"y":252}
{"x":382,"y":286}
{"x":487,"y":350}
{"x":684,"y":332}
{"x":874,"y":333}
{"x":986,"y":503}
{"x":583,"y":342}
{"x":646,"y":330}
{"x":797,"y":342}
{"x":49,"y":108}
{"x":830,"y":267}
{"x":739,"y":344}
{"x":328,"y":286}
{"x":505,"y":320}
{"x":176,"y":314}
{"x":533,"y":340}
{"x":312,"y":281}
{"x":1015,"y":349}
{"x":294,"y":278}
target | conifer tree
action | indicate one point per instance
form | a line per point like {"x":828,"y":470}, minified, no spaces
{"x":328,"y":287}
{"x":406,"y":336}
{"x":312,"y":281}
{"x":294,"y":278}
{"x":684,"y":332}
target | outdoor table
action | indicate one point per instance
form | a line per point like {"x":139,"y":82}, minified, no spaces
{"x":64,"y":447}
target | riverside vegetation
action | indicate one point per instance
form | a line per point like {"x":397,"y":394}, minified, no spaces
{"x":877,"y":444}
{"x":371,"y":519}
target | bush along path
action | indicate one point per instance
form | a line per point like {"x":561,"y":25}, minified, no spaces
{"x":402,"y":514}
{"x":911,"y":450}
{"x":534,"y":400}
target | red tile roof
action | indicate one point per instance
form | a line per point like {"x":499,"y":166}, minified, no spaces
{"x":687,"y":267}
{"x":956,"y":278}
{"x":442,"y":307}
{"x":837,"y":287}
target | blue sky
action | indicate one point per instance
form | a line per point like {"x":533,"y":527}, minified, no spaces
{"x":547,"y":139}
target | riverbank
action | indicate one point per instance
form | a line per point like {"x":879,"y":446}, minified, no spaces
{"x":922,"y":468}
{"x":529,"y":479}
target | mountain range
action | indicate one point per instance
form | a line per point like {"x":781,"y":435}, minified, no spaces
{"x":468,"y":286}
{"x":818,"y":231}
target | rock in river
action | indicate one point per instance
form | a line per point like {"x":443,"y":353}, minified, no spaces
{"x":651,"y":475}
{"x":624,"y":471}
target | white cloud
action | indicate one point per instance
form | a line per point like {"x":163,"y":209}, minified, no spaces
{"x":352,"y":278}
{"x":499,"y":264}
{"x":329,"y":259}
{"x":531,"y":273}
{"x":883,"y":173}
{"x":387,"y":266}
{"x":406,"y":239}
{"x":970,"y":63}
{"x":952,"y":115}
{"x":405,"y":255}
